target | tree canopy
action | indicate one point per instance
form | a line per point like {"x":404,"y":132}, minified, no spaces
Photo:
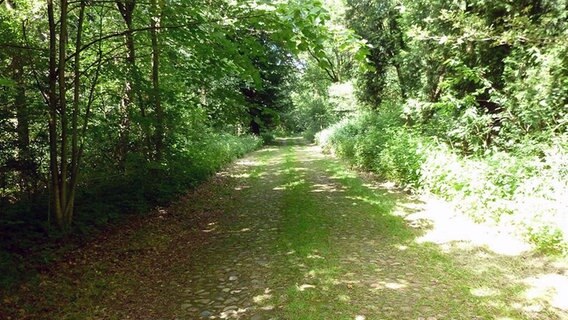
{"x":88,"y":87}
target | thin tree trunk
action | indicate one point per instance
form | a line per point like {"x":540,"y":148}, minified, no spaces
{"x":22,"y":126}
{"x":75,"y":156}
{"x":63,"y":181}
{"x":156,"y":94}
{"x":132,"y":93}
{"x":126,"y":9}
{"x":401,"y":81}
{"x":52,"y":99}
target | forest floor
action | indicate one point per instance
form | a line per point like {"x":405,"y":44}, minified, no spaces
{"x":289,"y":233}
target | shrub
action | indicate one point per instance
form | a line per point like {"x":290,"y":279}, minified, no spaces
{"x":402,"y":157}
{"x":548,"y":240}
{"x":104,"y":197}
{"x":525,"y":189}
{"x":267,"y":137}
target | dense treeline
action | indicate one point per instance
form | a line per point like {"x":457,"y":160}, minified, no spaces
{"x":482,"y":74}
{"x":463,"y":99}
{"x":109,"y":107}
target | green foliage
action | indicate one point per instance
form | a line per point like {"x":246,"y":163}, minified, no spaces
{"x":10,"y":269}
{"x":144,"y":186}
{"x":402,"y":157}
{"x":549,"y":240}
{"x":482,"y":87}
{"x":519,"y":189}
{"x":477,"y":75}
{"x":379,"y":143}
{"x":5,"y":82}
{"x":267,"y":137}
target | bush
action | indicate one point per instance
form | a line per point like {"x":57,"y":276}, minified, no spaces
{"x":309,"y":134}
{"x":549,"y":240}
{"x":267,"y":137}
{"x":103,"y":197}
{"x":402,"y":157}
{"x":378,"y":142}
{"x":525,"y":189}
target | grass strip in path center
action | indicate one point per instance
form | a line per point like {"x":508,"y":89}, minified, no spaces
{"x":349,"y":254}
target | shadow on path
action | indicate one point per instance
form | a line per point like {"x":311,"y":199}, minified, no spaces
{"x":288,"y":233}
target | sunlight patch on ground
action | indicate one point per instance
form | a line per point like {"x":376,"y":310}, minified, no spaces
{"x":263,"y":297}
{"x":390,"y":187}
{"x":314,"y":256}
{"x":530,"y":308}
{"x":552,"y":287}
{"x":305,"y":287}
{"x":344,"y":298}
{"x":366,"y":200}
{"x":246,"y":175}
{"x":348,"y":283}
{"x":276,"y":161}
{"x":448,"y":227}
{"x":290,"y":185}
{"x":484,"y":292}
{"x":371,"y":186}
{"x":241,"y":175}
{"x":248,"y":162}
{"x":232,"y":313}
{"x":212,"y":226}
{"x":388,"y":285}
{"x":342,"y":175}
{"x":326,"y":188}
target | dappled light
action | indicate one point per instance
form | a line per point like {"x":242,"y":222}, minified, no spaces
{"x":248,"y":162}
{"x":484,"y":292}
{"x":314,"y":256}
{"x":326,"y":188}
{"x":305,"y":287}
{"x":262,"y":297}
{"x":368,"y":200}
{"x":447,"y":227}
{"x":548,"y":287}
{"x":290,"y":228}
{"x":388,"y":285}
{"x":289,"y":159}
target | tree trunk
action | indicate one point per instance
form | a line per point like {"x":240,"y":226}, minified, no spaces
{"x":53,"y":117}
{"x":156,"y":94}
{"x":22,"y":126}
{"x":126,"y":9}
{"x":75,"y":150}
{"x":401,"y":81}
{"x":254,"y":127}
{"x":63,"y":169}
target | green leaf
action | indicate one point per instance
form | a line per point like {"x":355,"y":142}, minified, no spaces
{"x":5,"y":82}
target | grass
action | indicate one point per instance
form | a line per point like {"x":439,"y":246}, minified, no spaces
{"x":521,"y":191}
{"x":351,"y":255}
{"x":320,"y":242}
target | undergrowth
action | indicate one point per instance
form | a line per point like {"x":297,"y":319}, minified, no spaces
{"x":29,"y":241}
{"x":525,"y":189}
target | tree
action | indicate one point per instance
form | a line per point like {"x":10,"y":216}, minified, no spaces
{"x":119,"y":79}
